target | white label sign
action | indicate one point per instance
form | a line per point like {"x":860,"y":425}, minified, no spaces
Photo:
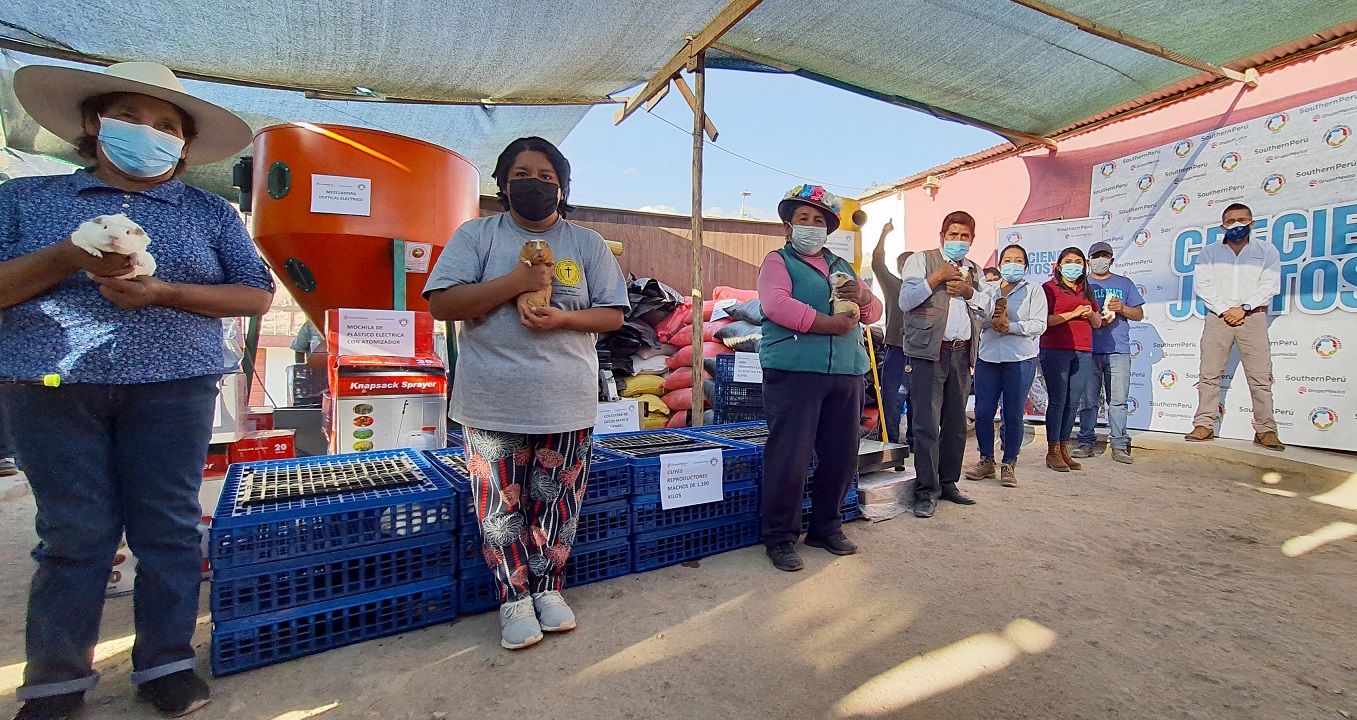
{"x":719,"y":309}
{"x":340,"y":195}
{"x":385,"y":333}
{"x":616,"y":417}
{"x":747,"y":368}
{"x":417,"y":257}
{"x":690,"y":478}
{"x":841,"y":243}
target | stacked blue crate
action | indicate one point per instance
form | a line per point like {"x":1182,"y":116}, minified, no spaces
{"x":315,"y":553}
{"x":601,"y":550}
{"x":663,"y":537}
{"x":735,"y":402}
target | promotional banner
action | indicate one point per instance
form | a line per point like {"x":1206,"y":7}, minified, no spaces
{"x":1297,"y":171}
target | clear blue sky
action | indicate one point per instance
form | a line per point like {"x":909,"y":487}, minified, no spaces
{"x":790,"y":123}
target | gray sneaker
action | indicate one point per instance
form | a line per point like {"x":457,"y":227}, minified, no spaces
{"x":1123,"y":456}
{"x":1082,"y":451}
{"x":8,"y":468}
{"x":518,"y":625}
{"x":552,"y":612}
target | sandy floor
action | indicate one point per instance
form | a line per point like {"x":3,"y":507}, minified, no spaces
{"x":1159,"y":591}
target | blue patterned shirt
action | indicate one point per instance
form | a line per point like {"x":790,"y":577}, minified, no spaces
{"x":196,"y":238}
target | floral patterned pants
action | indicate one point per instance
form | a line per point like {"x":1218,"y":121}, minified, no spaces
{"x":528,"y":490}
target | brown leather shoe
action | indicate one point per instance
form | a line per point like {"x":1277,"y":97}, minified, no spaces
{"x":1202,"y":434}
{"x":1054,"y":459}
{"x":1268,"y":440}
{"x":1008,"y":474}
{"x":982,"y":470}
{"x":1070,"y":462}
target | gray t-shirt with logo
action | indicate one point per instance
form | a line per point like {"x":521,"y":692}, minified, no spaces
{"x":510,"y":378}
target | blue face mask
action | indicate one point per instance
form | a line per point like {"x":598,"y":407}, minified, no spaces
{"x":1237,"y":233}
{"x":1072,"y":271}
{"x":955,"y":249}
{"x":1012,"y":272}
{"x":139,"y":150}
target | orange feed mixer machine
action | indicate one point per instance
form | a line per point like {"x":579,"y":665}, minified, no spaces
{"x":355,"y":218}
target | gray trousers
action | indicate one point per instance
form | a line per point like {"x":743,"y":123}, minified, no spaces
{"x":938,"y":389}
{"x":1255,"y":354}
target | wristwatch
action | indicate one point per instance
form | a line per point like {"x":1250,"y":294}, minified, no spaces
{"x":1247,"y":307}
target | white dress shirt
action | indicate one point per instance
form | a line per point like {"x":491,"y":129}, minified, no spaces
{"x":1224,"y":280}
{"x":1027,"y":317}
{"x":914,"y":291}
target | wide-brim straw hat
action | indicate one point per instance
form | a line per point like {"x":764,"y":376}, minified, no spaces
{"x":815,"y":196}
{"x":52,"y":96}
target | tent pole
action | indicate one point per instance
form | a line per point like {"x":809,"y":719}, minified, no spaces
{"x":698,"y":67}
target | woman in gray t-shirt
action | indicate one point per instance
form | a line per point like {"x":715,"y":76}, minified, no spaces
{"x":526,"y":386}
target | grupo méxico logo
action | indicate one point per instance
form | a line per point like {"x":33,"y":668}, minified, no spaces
{"x":1145,"y":183}
{"x":1141,"y":237}
{"x":1273,"y":184}
{"x":1336,"y":136}
{"x":1107,"y":169}
{"x":1106,"y":218}
{"x":1277,"y":122}
{"x":1182,"y":148}
{"x":1179,"y":203}
{"x":1136,"y":348}
{"x":1326,"y":346}
{"x":1323,"y":418}
{"x":1229,"y":162}
{"x":1168,"y":379}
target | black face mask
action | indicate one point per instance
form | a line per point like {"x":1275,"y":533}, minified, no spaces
{"x":533,"y":199}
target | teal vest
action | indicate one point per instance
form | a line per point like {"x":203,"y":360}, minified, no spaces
{"x":784,"y":349}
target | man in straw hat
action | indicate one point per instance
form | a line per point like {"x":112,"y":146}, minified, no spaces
{"x":119,"y":446}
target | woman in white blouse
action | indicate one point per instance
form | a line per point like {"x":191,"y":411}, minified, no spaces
{"x":1007,"y":364}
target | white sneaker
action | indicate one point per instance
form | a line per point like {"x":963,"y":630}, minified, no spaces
{"x":553,"y":613}
{"x":518,"y":625}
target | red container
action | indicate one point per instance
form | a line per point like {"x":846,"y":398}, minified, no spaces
{"x":258,"y":418}
{"x":264,"y":445}
{"x":218,"y":461}
{"x":416,"y":191}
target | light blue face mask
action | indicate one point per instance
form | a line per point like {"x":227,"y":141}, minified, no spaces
{"x":955,"y":249}
{"x":139,"y":150}
{"x":1072,"y":271}
{"x":1012,"y":272}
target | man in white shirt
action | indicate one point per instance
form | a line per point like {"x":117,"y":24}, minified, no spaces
{"x":943,"y":304}
{"x":1237,"y":279}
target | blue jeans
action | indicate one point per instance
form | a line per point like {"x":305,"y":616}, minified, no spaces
{"x":1067,"y":373}
{"x":103,"y":460}
{"x":1111,"y":376}
{"x":895,"y":395}
{"x":1012,"y":381}
{"x":6,"y":440}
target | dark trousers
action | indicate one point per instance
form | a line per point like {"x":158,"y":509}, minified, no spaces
{"x":6,"y":441}
{"x":937,"y":391}
{"x":1011,"y":381}
{"x":895,"y":396}
{"x":103,"y":460}
{"x":808,"y":411}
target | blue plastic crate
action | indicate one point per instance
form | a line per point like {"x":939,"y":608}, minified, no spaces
{"x":724,"y":415}
{"x":269,"y":587}
{"x":647,"y":514}
{"x":597,"y":523}
{"x":598,"y":561}
{"x":247,"y":534}
{"x":743,"y":462}
{"x":689,"y":542}
{"x":477,"y":591}
{"x":609,"y":475}
{"x":272,"y":638}
{"x":849,"y":510}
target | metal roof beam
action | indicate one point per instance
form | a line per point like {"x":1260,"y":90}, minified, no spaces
{"x":1249,"y":76}
{"x":692,"y":48}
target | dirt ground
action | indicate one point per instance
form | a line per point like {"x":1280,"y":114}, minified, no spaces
{"x":1158,"y":591}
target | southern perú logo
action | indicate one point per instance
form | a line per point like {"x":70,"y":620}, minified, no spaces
{"x":1179,"y":203}
{"x":1229,"y":162}
{"x":1141,"y":289}
{"x":1106,"y":217}
{"x":1323,"y":418}
{"x":1136,"y":348}
{"x":1168,"y":379}
{"x":1145,"y":183}
{"x":1273,"y":184}
{"x":1132,"y":405}
{"x":1141,"y":238}
{"x":1107,"y":169}
{"x":1014,"y":237}
{"x":568,"y":273}
{"x":1326,"y":346}
{"x":1338,"y":135}
{"x":1277,"y":122}
{"x":1182,"y":148}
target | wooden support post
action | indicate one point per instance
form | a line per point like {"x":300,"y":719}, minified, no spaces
{"x":699,"y":126}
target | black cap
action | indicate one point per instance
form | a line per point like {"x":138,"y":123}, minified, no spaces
{"x":1099,"y":247}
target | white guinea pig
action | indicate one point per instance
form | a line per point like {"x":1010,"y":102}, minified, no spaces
{"x":116,"y":234}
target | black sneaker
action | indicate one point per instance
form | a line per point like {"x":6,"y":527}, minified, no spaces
{"x":54,"y":707}
{"x":784,"y":557}
{"x":925,"y":508}
{"x":837,"y":544}
{"x":176,"y":694}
